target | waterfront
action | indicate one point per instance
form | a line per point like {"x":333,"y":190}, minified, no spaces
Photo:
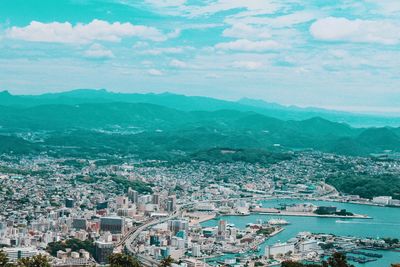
{"x":385,"y":222}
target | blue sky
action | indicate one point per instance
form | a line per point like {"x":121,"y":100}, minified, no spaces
{"x":336,"y":54}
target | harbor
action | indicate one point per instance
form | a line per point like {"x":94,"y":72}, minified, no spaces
{"x":383,"y":223}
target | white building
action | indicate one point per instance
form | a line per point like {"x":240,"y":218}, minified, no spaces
{"x":383,"y":200}
{"x":279,"y":248}
{"x":307,"y":207}
{"x":21,"y":252}
{"x":308,"y":245}
{"x":196,"y":252}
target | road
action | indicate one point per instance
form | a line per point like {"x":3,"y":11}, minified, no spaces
{"x":129,"y":240}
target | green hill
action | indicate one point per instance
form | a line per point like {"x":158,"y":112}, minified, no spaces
{"x":194,"y":103}
{"x":150,"y":129}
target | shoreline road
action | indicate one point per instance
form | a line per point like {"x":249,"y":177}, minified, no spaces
{"x":129,"y":240}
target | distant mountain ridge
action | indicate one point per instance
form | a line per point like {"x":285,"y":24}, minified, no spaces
{"x":139,"y":127}
{"x":195,"y":103}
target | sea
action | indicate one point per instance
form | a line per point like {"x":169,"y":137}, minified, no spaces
{"x":384,"y":222}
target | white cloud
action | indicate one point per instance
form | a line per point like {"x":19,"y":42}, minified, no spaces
{"x":174,"y":34}
{"x":340,"y":54}
{"x":140,"y":44}
{"x":277,"y":22}
{"x":363,"y":31}
{"x":251,"y":7}
{"x":248,"y":65}
{"x":97,"y":51}
{"x":249,"y":46}
{"x":97,"y":30}
{"x":147,"y":63}
{"x":166,"y":3}
{"x":177,"y":64}
{"x":212,"y":76}
{"x":386,"y":7}
{"x":245,"y":31}
{"x":155,"y":72}
{"x":165,"y":50}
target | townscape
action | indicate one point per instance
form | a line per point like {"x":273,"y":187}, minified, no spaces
{"x":80,"y":211}
{"x":199,"y":133}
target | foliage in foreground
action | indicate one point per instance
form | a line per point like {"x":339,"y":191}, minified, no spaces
{"x":35,"y":261}
{"x":336,"y":260}
{"x":166,"y":262}
{"x":123,"y":260}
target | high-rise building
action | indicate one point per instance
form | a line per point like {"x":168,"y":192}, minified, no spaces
{"x":221,"y":233}
{"x":122,"y":202}
{"x":79,"y":223}
{"x":102,"y":251}
{"x":144,"y":199}
{"x":102,"y":205}
{"x":155,"y":199}
{"x":196,"y":252}
{"x":171,"y":203}
{"x":69,"y":203}
{"x":114,"y":225}
{"x":154,"y":240}
{"x":133,"y":195}
{"x":221,"y":227}
{"x":181,"y":234}
{"x":178,"y":225}
{"x":63,"y":212}
{"x":178,"y":242}
{"x":164,"y":252}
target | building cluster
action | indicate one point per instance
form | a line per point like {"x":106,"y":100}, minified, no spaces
{"x":46,"y":201}
{"x":316,"y":247}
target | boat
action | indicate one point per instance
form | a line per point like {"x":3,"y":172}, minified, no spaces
{"x":368,"y":254}
{"x":360,"y":259}
{"x":278,"y":222}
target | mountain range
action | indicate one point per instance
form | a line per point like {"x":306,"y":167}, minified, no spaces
{"x":167,"y":125}
{"x":196,"y":103}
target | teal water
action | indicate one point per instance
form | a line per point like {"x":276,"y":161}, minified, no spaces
{"x":385,"y":222}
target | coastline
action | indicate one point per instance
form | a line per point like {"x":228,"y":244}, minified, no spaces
{"x":274,"y":233}
{"x":199,"y":217}
{"x":269,"y":197}
{"x":309,"y":214}
{"x":337,"y":229}
{"x":273,"y":211}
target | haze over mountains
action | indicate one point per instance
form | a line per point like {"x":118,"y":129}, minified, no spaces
{"x":158,"y":125}
{"x":197,"y":103}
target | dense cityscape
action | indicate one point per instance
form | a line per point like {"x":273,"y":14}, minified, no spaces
{"x":199,"y":133}
{"x":79,"y":211}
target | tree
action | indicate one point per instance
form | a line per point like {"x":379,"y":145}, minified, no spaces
{"x":74,"y":244}
{"x":292,"y":264}
{"x":166,"y":262}
{"x":297,"y":264}
{"x":123,"y":260}
{"x":35,"y":261}
{"x":337,"y":260}
{"x":3,"y":258}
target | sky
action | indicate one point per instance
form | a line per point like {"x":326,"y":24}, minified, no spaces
{"x":339,"y":54}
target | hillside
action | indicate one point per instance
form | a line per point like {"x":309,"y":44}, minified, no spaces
{"x":160,"y":132}
{"x":194,"y":103}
